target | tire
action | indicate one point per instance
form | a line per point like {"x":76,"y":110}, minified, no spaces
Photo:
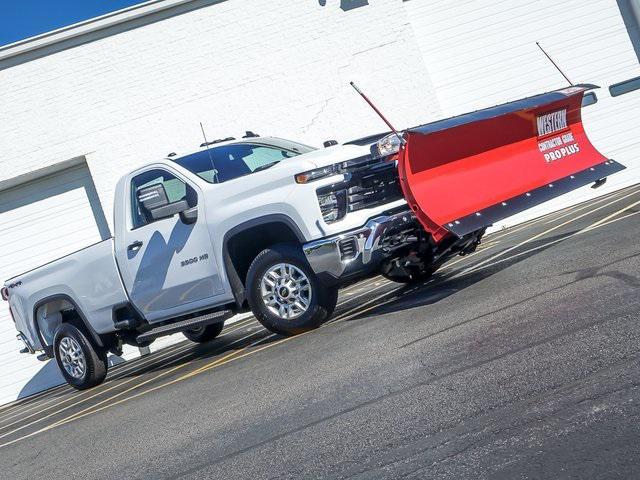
{"x":89,"y":368}
{"x":281,"y":307}
{"x":204,"y":334}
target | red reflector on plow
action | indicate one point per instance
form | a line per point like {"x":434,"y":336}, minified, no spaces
{"x":466,"y":173}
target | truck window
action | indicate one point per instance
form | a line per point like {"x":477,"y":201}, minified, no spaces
{"x":226,"y":162}
{"x":176,"y":190}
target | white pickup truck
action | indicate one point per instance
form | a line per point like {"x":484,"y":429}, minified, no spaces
{"x":277,"y":227}
{"x":263,"y":223}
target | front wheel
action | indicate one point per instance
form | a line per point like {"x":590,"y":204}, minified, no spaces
{"x":82,"y":365}
{"x":284,"y":293}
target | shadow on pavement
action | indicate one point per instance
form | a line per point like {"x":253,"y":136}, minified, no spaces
{"x":202,"y":352}
{"x":442,"y":285}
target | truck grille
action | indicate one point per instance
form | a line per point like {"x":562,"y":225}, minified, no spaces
{"x":369,"y":183}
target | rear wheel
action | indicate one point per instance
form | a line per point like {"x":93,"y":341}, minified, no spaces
{"x":205,"y":333}
{"x":284,"y":293}
{"x":82,"y":365}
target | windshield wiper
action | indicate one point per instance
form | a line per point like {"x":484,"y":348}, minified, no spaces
{"x":265,"y":166}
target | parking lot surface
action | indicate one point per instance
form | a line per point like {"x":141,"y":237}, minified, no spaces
{"x":519,"y":361}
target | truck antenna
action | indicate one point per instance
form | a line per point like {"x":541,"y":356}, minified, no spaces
{"x":554,"y":63}
{"x":375,"y":109}
{"x":206,"y":144}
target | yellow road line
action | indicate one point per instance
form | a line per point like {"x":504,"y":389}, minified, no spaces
{"x":613,"y":215}
{"x":166,"y":372}
{"x":110,"y":387}
{"x":573,"y":219}
{"x":615,"y":220}
{"x":558,"y":240}
{"x":594,"y":202}
{"x":163,"y":356}
{"x":93,"y":409}
{"x":234,"y":355}
{"x":134,"y":367}
{"x":228,"y":358}
{"x":237,"y":327}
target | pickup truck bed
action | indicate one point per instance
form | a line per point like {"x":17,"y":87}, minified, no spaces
{"x":87,"y":279}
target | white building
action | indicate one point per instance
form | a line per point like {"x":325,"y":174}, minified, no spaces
{"x":81,"y":105}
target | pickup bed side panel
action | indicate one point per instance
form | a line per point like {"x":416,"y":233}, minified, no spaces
{"x":89,"y":278}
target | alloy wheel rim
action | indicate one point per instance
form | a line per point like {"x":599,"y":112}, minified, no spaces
{"x":286,"y":291}
{"x":72,"y":357}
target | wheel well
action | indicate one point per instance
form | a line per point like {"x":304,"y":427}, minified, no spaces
{"x":243,"y":246}
{"x":53,"y":311}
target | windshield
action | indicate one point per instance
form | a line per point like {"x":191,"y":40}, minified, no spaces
{"x":226,"y":162}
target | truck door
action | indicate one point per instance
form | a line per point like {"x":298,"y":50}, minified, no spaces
{"x":166,"y":258}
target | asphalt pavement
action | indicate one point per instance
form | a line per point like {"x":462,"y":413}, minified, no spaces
{"x":520,"y":361}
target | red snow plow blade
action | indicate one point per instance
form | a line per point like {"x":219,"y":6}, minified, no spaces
{"x":465,"y":173}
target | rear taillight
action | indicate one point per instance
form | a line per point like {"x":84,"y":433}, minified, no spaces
{"x":4,"y":292}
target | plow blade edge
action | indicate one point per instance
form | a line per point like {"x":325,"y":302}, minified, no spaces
{"x":466,"y":173}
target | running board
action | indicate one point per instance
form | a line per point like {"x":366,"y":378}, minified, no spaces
{"x":182,"y":325}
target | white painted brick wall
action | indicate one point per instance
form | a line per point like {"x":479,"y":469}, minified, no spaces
{"x":275,"y":67}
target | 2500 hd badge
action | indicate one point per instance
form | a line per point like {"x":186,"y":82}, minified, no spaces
{"x":191,"y":261}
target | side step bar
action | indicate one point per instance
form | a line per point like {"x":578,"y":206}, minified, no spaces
{"x":187,"y":324}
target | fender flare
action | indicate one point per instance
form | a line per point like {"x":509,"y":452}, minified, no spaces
{"x":237,"y":286}
{"x":62,"y":296}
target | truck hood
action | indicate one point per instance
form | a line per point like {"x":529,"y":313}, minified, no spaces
{"x":338,"y":153}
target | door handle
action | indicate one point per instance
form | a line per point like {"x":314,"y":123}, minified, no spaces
{"x":135,"y":245}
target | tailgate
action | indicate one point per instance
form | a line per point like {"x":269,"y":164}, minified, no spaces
{"x":468,"y":172}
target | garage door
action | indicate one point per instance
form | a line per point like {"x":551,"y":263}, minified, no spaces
{"x":39,"y":222}
{"x":482,"y":53}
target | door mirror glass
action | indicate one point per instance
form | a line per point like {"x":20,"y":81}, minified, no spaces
{"x":152,"y":196}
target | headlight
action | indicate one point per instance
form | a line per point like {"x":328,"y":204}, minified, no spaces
{"x":332,"y":205}
{"x":317,"y":173}
{"x":389,"y":145}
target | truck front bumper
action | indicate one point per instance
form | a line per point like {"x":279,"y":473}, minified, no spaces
{"x":357,"y":251}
